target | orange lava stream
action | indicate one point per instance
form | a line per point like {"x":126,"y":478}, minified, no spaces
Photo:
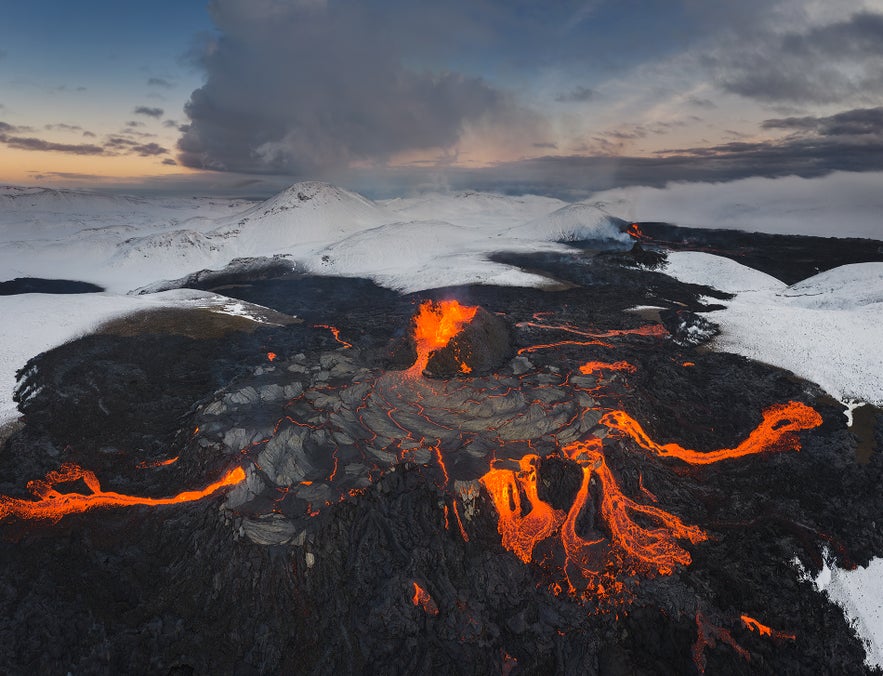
{"x":435,"y":324}
{"x":632,"y":548}
{"x":635,"y":232}
{"x":753,"y":625}
{"x":335,"y":333}
{"x":708,"y":634}
{"x":422,"y":599}
{"x":563,"y":343}
{"x":271,"y":356}
{"x":157,"y":463}
{"x":520,"y":534}
{"x":52,"y":505}
{"x":646,"y":550}
{"x":776,"y":432}
{"x":656,"y":330}
{"x":591,"y":367}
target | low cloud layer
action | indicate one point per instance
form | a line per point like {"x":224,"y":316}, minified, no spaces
{"x":113,"y":145}
{"x":575,"y":177}
{"x":148,"y":111}
{"x":307,"y":87}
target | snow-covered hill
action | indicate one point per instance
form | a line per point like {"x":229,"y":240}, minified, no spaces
{"x":45,"y":213}
{"x":571,"y":223}
{"x":301,"y":217}
{"x":485,"y":211}
{"x":827,"y":328}
{"x":424,"y":254}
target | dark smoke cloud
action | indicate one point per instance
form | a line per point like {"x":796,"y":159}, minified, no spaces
{"x":148,"y":111}
{"x":856,"y":122}
{"x":113,"y":145}
{"x":28,"y":143}
{"x":305,"y":87}
{"x":824,"y":64}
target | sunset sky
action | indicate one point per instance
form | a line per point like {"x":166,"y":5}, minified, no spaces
{"x":248,"y":95}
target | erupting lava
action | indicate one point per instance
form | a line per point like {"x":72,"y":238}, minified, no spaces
{"x":521,"y":533}
{"x":753,"y":625}
{"x":645,"y":550}
{"x":52,"y":505}
{"x":422,"y":599}
{"x":635,"y":232}
{"x":632,"y":548}
{"x":626,"y":538}
{"x":335,"y":333}
{"x":435,"y":324}
{"x":777,"y":432}
{"x":591,"y":367}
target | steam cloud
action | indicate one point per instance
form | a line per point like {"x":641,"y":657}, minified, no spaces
{"x":308,"y":86}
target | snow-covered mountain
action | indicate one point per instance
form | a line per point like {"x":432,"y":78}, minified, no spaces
{"x":302,"y":216}
{"x":475,"y":209}
{"x":572,"y":222}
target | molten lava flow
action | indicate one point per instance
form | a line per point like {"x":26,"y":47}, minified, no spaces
{"x":144,"y":464}
{"x":635,"y":232}
{"x":271,"y":356}
{"x":591,"y":367}
{"x":650,"y":330}
{"x":422,"y":598}
{"x":52,"y":505}
{"x":335,"y":333}
{"x":521,"y":533}
{"x":643,"y":550}
{"x":753,"y":625}
{"x":435,"y":325}
{"x":777,"y":431}
{"x":708,"y":634}
{"x":633,"y":546}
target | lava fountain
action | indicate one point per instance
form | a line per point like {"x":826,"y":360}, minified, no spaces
{"x":435,"y":324}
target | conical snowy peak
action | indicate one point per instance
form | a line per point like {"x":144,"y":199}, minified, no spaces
{"x":312,"y":195}
{"x":301,"y":217}
{"x":573,"y":222}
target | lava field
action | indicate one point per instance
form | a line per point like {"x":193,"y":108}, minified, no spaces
{"x":468,"y":480}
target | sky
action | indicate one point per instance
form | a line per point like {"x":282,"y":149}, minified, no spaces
{"x":564,"y":97}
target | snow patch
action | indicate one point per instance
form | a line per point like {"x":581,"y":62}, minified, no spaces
{"x":831,"y":336}
{"x":859,"y":593}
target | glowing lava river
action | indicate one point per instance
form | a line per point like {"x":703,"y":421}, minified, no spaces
{"x":480,"y":480}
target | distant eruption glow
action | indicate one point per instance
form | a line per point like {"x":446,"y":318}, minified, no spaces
{"x":51,"y":505}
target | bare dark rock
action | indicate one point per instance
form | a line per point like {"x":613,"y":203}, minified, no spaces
{"x":483,"y":345}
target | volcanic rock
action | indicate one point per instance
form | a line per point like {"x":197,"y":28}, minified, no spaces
{"x":687,"y":328}
{"x":483,"y":345}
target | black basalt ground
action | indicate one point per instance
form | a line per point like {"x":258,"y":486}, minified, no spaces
{"x":20,"y":285}
{"x":270,"y":579}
